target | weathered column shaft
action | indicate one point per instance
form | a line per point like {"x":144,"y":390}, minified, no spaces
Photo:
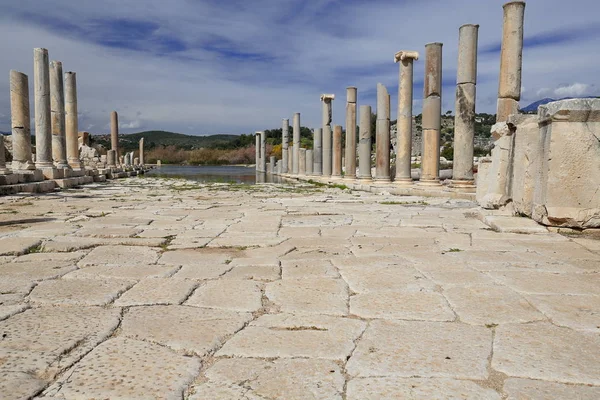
{"x":263,"y":152}
{"x":43,"y":129}
{"x":296,"y":144}
{"x":364,"y":144}
{"x":382,"y":140}
{"x":309,"y":162}
{"x":405,"y":115}
{"x":20,"y":121}
{"x":302,"y":162}
{"x":72,"y":124}
{"x":57,"y":109}
{"x":511,"y":60}
{"x":111,"y":158}
{"x":257,"y":150}
{"x":285,"y":138}
{"x":3,"y":169}
{"x":290,"y":159}
{"x":464,"y":121}
{"x":327,"y":150}
{"x":142,"y":151}
{"x":114,"y":132}
{"x":350,"y":154}
{"x":432,"y":111}
{"x":272,"y":165}
{"x":318,"y":152}
{"x":336,"y":167}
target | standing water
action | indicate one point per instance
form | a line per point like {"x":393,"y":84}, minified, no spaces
{"x":214,"y":174}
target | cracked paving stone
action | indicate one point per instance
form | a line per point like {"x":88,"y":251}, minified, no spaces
{"x":283,"y":379}
{"x":228,"y":294}
{"x":576,"y":312}
{"x":518,"y":389}
{"x":258,"y":273}
{"x":484,"y":305}
{"x":549,"y":283}
{"x":133,"y":272}
{"x":310,"y":296}
{"x":72,"y":257}
{"x":20,"y":385}
{"x":10,"y":310}
{"x":120,"y":256}
{"x":371,"y":279}
{"x":425,"y":349}
{"x":152,"y":291}
{"x":214,"y":391}
{"x":199,"y":264}
{"x":407,"y":305}
{"x":547,"y":352}
{"x":188,"y":330}
{"x":36,"y":270}
{"x":86,"y":292}
{"x":17,"y":245}
{"x":430,"y":389}
{"x":112,"y":371}
{"x":289,"y":336}
{"x":292,"y":269}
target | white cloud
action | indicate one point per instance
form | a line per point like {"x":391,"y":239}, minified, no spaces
{"x":573,"y":90}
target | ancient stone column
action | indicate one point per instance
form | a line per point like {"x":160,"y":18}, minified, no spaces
{"x":43,"y":128}
{"x":20,"y":122}
{"x":57,"y":109}
{"x":432,"y":115}
{"x":114,"y":132}
{"x":318,"y":152}
{"x":464,"y":121}
{"x":290,"y":159}
{"x":364,"y":144}
{"x":336,"y":167}
{"x":142,"y":151}
{"x":263,"y":152}
{"x":272,"y":166}
{"x":296,"y":144}
{"x":284,"y":145}
{"x":350,"y":164}
{"x":111,"y":158}
{"x":302,"y":162}
{"x":382,"y":139}
{"x":72,"y":122}
{"x":309,"y":162}
{"x":3,"y":169}
{"x":327,"y":138}
{"x":257,"y":150}
{"x":509,"y":89}
{"x":405,"y":116}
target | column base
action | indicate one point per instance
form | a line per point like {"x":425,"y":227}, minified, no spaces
{"x":52,"y":173}
{"x":350,"y":177}
{"x":23,"y":165}
{"x":62,"y":165}
{"x":364,"y":179}
{"x":461,"y":185}
{"x":382,"y":180}
{"x":406,"y":182}
{"x":429,"y":182}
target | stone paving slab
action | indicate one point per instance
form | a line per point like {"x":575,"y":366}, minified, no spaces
{"x":86,"y":292}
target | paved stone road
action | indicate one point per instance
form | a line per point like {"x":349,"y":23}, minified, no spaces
{"x":165,"y":289}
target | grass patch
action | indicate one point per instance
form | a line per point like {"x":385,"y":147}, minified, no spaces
{"x":38,"y":248}
{"x":167,"y":242}
{"x":405,"y":203}
{"x":454,"y":250}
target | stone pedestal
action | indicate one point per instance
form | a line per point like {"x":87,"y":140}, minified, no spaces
{"x":111,"y":158}
{"x":364,"y":144}
{"x":404,"y":124}
{"x":296,"y":144}
{"x":350,"y":153}
{"x":309,"y":162}
{"x":318,"y":152}
{"x":302,"y":162}
{"x":336,"y":163}
{"x":57,"y":109}
{"x":114,"y":132}
{"x":72,"y":122}
{"x":20,"y":122}
{"x":432,"y":110}
{"x":285,"y":133}
{"x":382,"y":139}
{"x":464,"y":121}
{"x":43,"y":129}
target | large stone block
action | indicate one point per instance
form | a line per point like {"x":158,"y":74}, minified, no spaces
{"x":567,"y":189}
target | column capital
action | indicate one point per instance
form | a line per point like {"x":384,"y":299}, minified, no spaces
{"x":405,"y":54}
{"x":327,"y":97}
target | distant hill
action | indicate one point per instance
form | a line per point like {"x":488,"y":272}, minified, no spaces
{"x":533,"y":107}
{"x":164,"y":138}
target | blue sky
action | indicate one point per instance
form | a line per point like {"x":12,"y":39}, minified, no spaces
{"x":233,"y":66}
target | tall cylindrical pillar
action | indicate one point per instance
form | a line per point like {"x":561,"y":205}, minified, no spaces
{"x":57,"y":109}
{"x":290,"y":159}
{"x":382,"y":139}
{"x":364,"y":144}
{"x":285,"y":138}
{"x":302,"y":162}
{"x":327,"y":148}
{"x":72,"y":121}
{"x":263,"y":152}
{"x":114,"y":132}
{"x":336,"y":162}
{"x":318,"y":152}
{"x":257,"y":150}
{"x":350,"y":154}
{"x":20,"y":122}
{"x":43,"y":128}
{"x":296,"y":145}
{"x":272,"y":165}
{"x":432,"y":115}
{"x":309,"y":162}
{"x":405,"y":116}
{"x":142,"y":151}
{"x":464,"y":121}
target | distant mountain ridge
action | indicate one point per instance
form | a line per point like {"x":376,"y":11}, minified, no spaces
{"x":532,"y":108}
{"x":165,"y":138}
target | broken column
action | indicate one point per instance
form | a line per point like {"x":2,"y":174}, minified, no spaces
{"x":327,"y":138}
{"x":405,"y":110}
{"x":72,"y":122}
{"x":114,"y":132}
{"x":318,"y":152}
{"x":351,"y":95}
{"x":296,"y":144}
{"x":302,"y":162}
{"x":382,"y":139}
{"x":432,"y":115}
{"x":263,"y":152}
{"x":43,"y":129}
{"x":464,"y":121}
{"x":364,"y":144}
{"x":57,"y":109}
{"x":336,"y":162}
{"x":20,"y":122}
{"x":284,"y":145}
{"x":309,"y":162}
